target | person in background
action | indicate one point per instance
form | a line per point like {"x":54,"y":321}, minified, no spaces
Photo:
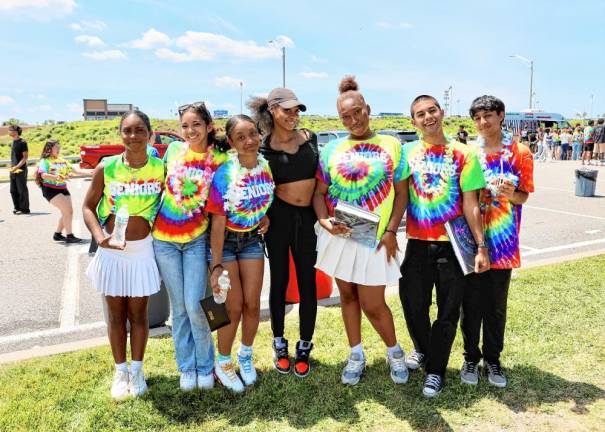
{"x":241,"y":193}
{"x":547,"y":146}
{"x":588,"y":147}
{"x":293,"y":156}
{"x":18,"y":171}
{"x":508,"y":171}
{"x":578,"y":140}
{"x":362,"y":170}
{"x":51,"y":176}
{"x":126,"y":275}
{"x":556,"y":144}
{"x":462,"y":134}
{"x":566,"y":139}
{"x":533,"y":139}
{"x":180,"y":241}
{"x":599,"y":141}
{"x":444,"y":180}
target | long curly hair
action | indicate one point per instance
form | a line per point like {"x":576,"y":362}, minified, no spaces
{"x":259,"y":108}
{"x":46,"y":153}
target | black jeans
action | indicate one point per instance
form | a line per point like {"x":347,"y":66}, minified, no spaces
{"x":292,"y":227}
{"x":19,"y":192}
{"x":485,"y":303}
{"x":427,"y":264}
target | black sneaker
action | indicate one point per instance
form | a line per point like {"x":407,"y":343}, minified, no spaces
{"x":494,"y":373}
{"x":281,"y":360}
{"x":433,"y":384}
{"x":70,"y":239}
{"x":301,"y":362}
{"x":58,"y":237}
{"x":415,"y":360}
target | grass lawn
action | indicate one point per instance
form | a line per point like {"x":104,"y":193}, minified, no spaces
{"x":554,"y":354}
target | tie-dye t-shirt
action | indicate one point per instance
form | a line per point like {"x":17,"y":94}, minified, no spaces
{"x":242,"y":195}
{"x":588,"y":135}
{"x":181,"y":217}
{"x":139,"y":188}
{"x":362,"y":173}
{"x":54,"y":166}
{"x":501,"y":218}
{"x":438,"y":174}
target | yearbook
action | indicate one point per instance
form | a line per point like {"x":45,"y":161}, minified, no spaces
{"x":363,"y":223}
{"x":463,"y":243}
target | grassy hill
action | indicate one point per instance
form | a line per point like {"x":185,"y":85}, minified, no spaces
{"x":74,"y":134}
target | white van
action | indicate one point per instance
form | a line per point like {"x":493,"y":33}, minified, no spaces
{"x":533,"y":119}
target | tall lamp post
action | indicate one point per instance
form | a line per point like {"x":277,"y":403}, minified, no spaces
{"x":241,"y":97}
{"x":531,"y":76}
{"x":277,"y":44}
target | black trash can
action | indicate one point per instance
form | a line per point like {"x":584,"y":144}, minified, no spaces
{"x":586,"y":182}
{"x":158,"y":308}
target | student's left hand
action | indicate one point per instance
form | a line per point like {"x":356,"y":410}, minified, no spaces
{"x":389,"y":241}
{"x":481,"y":261}
{"x":263,"y":225}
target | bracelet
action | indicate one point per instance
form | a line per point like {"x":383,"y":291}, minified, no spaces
{"x":391,"y":231}
{"x":482,"y":245}
{"x":214,"y":267}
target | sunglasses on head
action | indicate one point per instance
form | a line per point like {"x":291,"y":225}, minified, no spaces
{"x":194,"y":105}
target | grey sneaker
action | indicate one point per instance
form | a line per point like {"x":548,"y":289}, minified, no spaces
{"x":495,"y":375}
{"x":469,"y":373}
{"x":399,"y":371}
{"x":354,"y":369}
{"x":433,"y":384}
{"x":415,"y":360}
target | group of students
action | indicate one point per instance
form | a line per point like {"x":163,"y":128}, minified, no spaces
{"x":578,"y":143}
{"x":216,"y":204}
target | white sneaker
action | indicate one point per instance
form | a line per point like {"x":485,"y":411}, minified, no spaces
{"x":188,"y":380}
{"x":352,"y":372}
{"x":138,"y":386}
{"x":205,"y":382}
{"x":227,"y":376}
{"x":246,"y":369}
{"x":399,"y":371}
{"x":119,"y":386}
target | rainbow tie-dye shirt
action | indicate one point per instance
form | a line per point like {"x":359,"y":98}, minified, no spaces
{"x":139,"y":188}
{"x":501,"y":218}
{"x":54,"y":166}
{"x":438,"y":177}
{"x":181,"y":217}
{"x":362,"y":173}
{"x":242,"y":195}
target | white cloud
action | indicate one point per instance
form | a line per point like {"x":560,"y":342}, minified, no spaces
{"x":6,"y":100}
{"x":106,"y":55}
{"x":38,"y":96}
{"x":202,"y":46}
{"x":310,"y":74}
{"x":227,"y":81}
{"x":283,"y":41}
{"x":97,"y":25}
{"x":151,"y":39}
{"x":91,"y":41}
{"x":42,"y":108}
{"x":389,"y":25}
{"x":38,"y":8}
{"x":316,"y":59}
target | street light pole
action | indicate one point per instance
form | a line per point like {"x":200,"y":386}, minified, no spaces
{"x":276,"y":43}
{"x":241,"y":97}
{"x":531,"y":76}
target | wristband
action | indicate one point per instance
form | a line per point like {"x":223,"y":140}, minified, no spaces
{"x":482,"y":245}
{"x":214,"y":267}
{"x":391,"y":231}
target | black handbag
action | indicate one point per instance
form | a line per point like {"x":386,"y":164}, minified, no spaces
{"x":216,"y":313}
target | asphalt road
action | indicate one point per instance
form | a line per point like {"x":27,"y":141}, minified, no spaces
{"x":46,"y":298}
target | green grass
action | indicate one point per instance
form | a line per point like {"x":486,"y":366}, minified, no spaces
{"x":554,"y":354}
{"x":72,"y":135}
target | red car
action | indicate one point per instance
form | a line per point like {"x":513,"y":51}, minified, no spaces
{"x":91,"y":155}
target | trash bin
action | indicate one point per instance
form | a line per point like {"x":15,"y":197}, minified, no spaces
{"x":158,"y":308}
{"x":586,"y":182}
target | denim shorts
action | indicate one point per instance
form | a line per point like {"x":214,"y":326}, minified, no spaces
{"x":242,"y":246}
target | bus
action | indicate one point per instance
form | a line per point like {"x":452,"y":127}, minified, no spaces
{"x":532,"y":120}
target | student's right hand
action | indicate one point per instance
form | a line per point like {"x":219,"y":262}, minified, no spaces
{"x":334,"y":228}
{"x":105,"y":244}
{"x":214,"y":282}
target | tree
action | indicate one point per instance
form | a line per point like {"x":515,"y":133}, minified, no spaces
{"x":11,"y":121}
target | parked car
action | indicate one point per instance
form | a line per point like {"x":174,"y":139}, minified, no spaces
{"x":324,"y":137}
{"x":403,"y":136}
{"x":93,"y":154}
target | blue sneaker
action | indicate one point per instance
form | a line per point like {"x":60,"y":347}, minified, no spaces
{"x":352,"y":372}
{"x":246,"y":369}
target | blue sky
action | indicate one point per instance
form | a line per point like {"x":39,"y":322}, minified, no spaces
{"x":156,"y":53}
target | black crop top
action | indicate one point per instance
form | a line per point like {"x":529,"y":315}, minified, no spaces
{"x":288,"y":167}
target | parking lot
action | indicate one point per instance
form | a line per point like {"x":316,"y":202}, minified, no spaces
{"x":46,"y":298}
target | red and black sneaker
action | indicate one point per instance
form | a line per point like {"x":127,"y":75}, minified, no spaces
{"x":281,"y":361}
{"x":301,"y":362}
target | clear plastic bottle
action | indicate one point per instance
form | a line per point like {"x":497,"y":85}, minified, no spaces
{"x":118,"y":237}
{"x":224,"y":284}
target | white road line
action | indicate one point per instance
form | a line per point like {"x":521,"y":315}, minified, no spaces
{"x":69,"y":314}
{"x":528,"y":248}
{"x":564,"y":212}
{"x":51,"y":332}
{"x":592,"y":231}
{"x":556,"y":189}
{"x":563,"y":247}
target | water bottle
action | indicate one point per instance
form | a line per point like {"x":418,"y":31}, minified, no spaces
{"x":118,"y":237}
{"x":225,"y":285}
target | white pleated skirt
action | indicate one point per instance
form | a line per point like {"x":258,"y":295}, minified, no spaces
{"x":345,"y":259}
{"x":131,"y":272}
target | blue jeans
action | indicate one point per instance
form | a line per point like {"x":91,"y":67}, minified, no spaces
{"x":576,"y":151}
{"x":183,"y":267}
